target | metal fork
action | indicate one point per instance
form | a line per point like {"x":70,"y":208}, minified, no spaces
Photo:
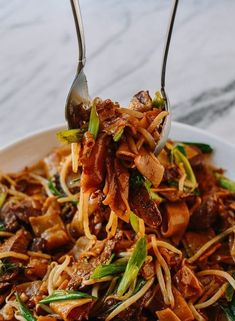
{"x":78,"y":93}
{"x":167,"y":121}
{"x":79,"y":90}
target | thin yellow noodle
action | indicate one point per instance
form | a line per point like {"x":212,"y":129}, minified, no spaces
{"x":74,"y":154}
{"x":195,"y":313}
{"x":148,"y":137}
{"x":112,"y":224}
{"x":7,"y":178}
{"x":95,"y":290}
{"x":125,"y":296}
{"x":39,"y":254}
{"x":87,"y":231}
{"x":169,"y":247}
{"x":219,"y":273}
{"x":131,"y":300}
{"x":43,"y":181}
{"x":17,"y":193}
{"x":131,"y":144}
{"x":166,"y":271}
{"x":182,"y":178}
{"x":157,"y":120}
{"x":213,"y":299}
{"x":77,"y":221}
{"x":232,"y":248}
{"x":131,"y":112}
{"x":94,"y":281}
{"x":162,"y":284}
{"x":5,"y":234}
{"x":163,"y":189}
{"x":14,"y":254}
{"x":141,"y":231}
{"x":54,"y":274}
{"x":63,"y":174}
{"x":68,"y":198}
{"x":209,"y":243}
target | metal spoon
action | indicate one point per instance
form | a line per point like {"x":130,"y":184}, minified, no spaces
{"x":78,"y":93}
{"x":167,"y":121}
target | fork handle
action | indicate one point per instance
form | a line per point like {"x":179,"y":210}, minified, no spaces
{"x":167,"y":44}
{"x":80,"y":34}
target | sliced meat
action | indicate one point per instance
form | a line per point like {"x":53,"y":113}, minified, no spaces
{"x":116,"y":187}
{"x":144,"y":207}
{"x":187,"y":283}
{"x":94,"y":165}
{"x":17,"y":243}
{"x":31,"y":290}
{"x":14,"y":214}
{"x":205,"y":215}
{"x":36,"y":268}
{"x":141,"y":101}
{"x":85,"y":267}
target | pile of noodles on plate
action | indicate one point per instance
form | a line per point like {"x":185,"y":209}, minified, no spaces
{"x":109,"y":231}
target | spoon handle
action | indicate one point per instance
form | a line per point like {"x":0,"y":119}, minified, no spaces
{"x":167,"y":44}
{"x":80,"y":33}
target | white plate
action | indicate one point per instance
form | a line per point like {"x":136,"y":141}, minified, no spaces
{"x":34,"y":147}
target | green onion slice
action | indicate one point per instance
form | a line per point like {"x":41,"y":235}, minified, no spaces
{"x":94,"y":121}
{"x":24,"y":311}
{"x":109,"y":269}
{"x":63,"y":295}
{"x":133,"y":266}
{"x":70,"y":136}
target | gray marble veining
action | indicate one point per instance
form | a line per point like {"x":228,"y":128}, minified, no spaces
{"x":38,"y":53}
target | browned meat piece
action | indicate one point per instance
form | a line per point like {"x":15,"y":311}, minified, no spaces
{"x":4,"y":286}
{"x":12,"y":214}
{"x":205,"y":215}
{"x":78,"y":115}
{"x":8,"y":278}
{"x":195,"y":240}
{"x":84,"y":267}
{"x":141,"y":101}
{"x":116,"y":187}
{"x":148,"y":270}
{"x":172,"y":259}
{"x":38,"y":244}
{"x":94,"y":165}
{"x":143,"y":206}
{"x":17,"y":243}
{"x":187,"y":283}
{"x":31,"y":290}
{"x":205,"y":178}
{"x":109,"y":115}
{"x":36,"y":268}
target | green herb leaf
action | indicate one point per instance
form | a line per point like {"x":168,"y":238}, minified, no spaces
{"x":70,"y":136}
{"x":53,"y":188}
{"x":133,"y":266}
{"x":94,"y":121}
{"x":63,"y":295}
{"x":180,"y":147}
{"x":2,"y":226}
{"x":180,"y":158}
{"x":3,"y":197}
{"x":24,"y":311}
{"x":226,"y":183}
{"x":6,"y":266}
{"x":230,"y":291}
{"x":110,"y":269}
{"x":229,"y":310}
{"x":134,"y":220}
{"x":140,"y":283}
{"x":118,"y":135}
{"x":158,"y":100}
{"x":205,"y":148}
{"x":152,"y":194}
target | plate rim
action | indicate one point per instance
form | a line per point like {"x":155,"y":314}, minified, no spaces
{"x":44,"y":130}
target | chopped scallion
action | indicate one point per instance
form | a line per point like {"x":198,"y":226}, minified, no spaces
{"x":63,"y":295}
{"x":94,"y":121}
{"x":70,"y":136}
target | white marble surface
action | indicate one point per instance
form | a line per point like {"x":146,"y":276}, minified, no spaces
{"x":38,"y":53}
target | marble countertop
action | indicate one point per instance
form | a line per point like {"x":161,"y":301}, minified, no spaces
{"x":38,"y":54}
